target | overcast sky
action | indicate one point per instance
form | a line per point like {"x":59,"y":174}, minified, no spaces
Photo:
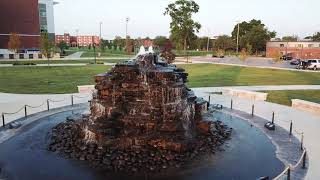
{"x":217,"y":17}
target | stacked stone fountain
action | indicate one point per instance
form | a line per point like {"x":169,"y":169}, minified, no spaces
{"x":143,"y":118}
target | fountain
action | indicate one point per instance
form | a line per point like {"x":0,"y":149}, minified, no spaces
{"x":143,"y":118}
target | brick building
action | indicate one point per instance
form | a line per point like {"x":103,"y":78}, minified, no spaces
{"x":300,"y":49}
{"x":74,"y":41}
{"x":21,"y":17}
{"x":66,"y":38}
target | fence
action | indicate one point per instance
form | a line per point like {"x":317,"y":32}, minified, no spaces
{"x":287,"y":172}
{"x":46,"y":103}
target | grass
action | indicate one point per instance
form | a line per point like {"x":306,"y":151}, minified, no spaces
{"x":37,"y":80}
{"x":207,"y":75}
{"x":86,"y":61}
{"x":284,"y":97}
{"x":42,"y":80}
{"x":104,"y":54}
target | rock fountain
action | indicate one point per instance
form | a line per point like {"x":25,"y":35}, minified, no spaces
{"x":143,"y":118}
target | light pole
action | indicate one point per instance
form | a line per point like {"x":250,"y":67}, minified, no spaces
{"x":238,"y":37}
{"x":100,"y":30}
{"x":208,"y":43}
{"x":127,"y":21}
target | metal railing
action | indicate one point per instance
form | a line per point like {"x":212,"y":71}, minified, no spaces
{"x":286,"y":174}
{"x":47,"y":103}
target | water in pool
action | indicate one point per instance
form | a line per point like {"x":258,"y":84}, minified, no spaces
{"x":248,"y":155}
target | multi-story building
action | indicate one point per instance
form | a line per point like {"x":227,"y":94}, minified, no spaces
{"x":47,"y":17}
{"x":65,"y":37}
{"x":299,"y":49}
{"x":75,"y":41}
{"x":84,"y":41}
{"x":26,"y":18}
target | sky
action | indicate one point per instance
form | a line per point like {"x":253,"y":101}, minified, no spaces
{"x":217,"y":17}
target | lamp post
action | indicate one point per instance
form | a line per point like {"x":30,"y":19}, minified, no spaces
{"x":127,"y":22}
{"x":238,"y":37}
{"x":100,"y":30}
{"x":208,"y":43}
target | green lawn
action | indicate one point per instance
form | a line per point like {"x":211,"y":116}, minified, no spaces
{"x":284,"y":97}
{"x":206,"y":75}
{"x":86,"y":61}
{"x":41,"y":80}
{"x":65,"y":79}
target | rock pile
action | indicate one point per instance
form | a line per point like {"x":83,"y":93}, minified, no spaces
{"x":143,"y":118}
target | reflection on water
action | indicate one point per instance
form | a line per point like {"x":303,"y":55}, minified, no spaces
{"x":248,"y":155}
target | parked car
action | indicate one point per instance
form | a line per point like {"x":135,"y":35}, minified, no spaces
{"x":313,"y":64}
{"x":286,"y":58}
{"x":295,"y":62}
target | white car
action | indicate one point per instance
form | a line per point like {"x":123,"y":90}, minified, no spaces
{"x":313,"y":64}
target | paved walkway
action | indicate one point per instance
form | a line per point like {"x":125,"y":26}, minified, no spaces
{"x":74,"y":55}
{"x":302,"y":121}
{"x":264,"y":63}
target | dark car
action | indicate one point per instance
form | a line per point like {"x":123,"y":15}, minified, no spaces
{"x":286,"y":58}
{"x":295,"y":62}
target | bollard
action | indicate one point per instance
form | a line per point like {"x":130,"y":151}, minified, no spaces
{"x":289,"y":174}
{"x":290,"y":128}
{"x":71,"y":100}
{"x":231,"y":105}
{"x":302,"y":137}
{"x":209,"y":99}
{"x":252,"y":112}
{"x":3,"y":123}
{"x":304,"y":160}
{"x":25,"y":111}
{"x":48,"y":106}
{"x":272,"y":117}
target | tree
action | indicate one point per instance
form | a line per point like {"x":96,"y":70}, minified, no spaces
{"x":14,"y":42}
{"x":103,"y":44}
{"x":46,"y":46}
{"x":316,"y":36}
{"x":290,"y":38}
{"x":160,"y":41}
{"x":224,"y":42}
{"x":183,"y":27}
{"x":62,"y":46}
{"x":166,"y":52}
{"x":254,"y":33}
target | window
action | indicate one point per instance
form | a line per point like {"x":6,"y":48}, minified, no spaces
{"x":11,"y":56}
{"x":310,"y":45}
{"x":1,"y":56}
{"x":21,"y":56}
{"x":30,"y":56}
{"x":300,"y":45}
{"x":40,"y":56}
{"x":281,"y":45}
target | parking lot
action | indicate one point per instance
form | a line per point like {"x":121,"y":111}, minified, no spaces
{"x":251,"y":62}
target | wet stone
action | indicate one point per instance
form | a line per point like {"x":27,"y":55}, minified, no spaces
{"x":143,"y":119}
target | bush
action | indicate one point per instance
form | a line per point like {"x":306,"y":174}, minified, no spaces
{"x":98,"y":62}
{"x":24,"y":64}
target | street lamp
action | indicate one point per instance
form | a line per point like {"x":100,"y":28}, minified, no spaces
{"x":127,"y":21}
{"x":100,"y":30}
{"x":208,"y":43}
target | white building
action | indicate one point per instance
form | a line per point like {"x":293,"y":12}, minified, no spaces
{"x":46,"y":13}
